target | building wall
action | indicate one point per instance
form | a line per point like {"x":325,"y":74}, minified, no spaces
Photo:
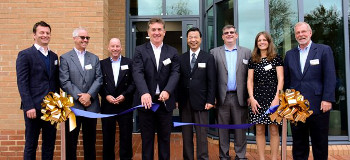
{"x":102,"y":18}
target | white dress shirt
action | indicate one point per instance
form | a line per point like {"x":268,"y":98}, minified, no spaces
{"x":42,"y":50}
{"x":81,"y":56}
{"x":157,"y":51}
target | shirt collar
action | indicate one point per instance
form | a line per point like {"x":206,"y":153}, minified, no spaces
{"x":40,"y":48}
{"x":79,"y":52}
{"x":154,"y":47}
{"x":113,"y":61}
{"x":234,"y":49}
{"x":197,"y":52}
{"x":306,"y":48}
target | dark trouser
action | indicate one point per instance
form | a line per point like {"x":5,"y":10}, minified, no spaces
{"x":192,"y":116}
{"x":125,"y":136}
{"x":317,"y":127}
{"x":89,"y":138}
{"x":232,"y":111}
{"x":150,"y":122}
{"x":32,"y":131}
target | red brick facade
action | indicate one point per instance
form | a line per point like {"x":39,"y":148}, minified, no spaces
{"x":102,"y":18}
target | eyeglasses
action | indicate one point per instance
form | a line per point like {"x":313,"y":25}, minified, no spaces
{"x":83,"y":37}
{"x":231,"y":32}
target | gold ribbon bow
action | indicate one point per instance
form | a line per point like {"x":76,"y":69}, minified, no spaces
{"x":55,"y":108}
{"x":293,"y":107}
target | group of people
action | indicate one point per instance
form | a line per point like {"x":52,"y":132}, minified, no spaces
{"x":240,"y":84}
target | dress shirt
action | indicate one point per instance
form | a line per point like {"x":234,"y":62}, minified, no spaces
{"x":42,"y":50}
{"x":231,"y":60}
{"x":81,"y":56}
{"x":116,"y":68}
{"x":197,"y":52}
{"x":157,"y":51}
{"x":303,"y":55}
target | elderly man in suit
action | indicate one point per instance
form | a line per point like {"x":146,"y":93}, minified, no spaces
{"x":309,"y":68}
{"x":232,"y":95}
{"x":117,"y":95}
{"x":196,"y":94}
{"x":156,"y":74}
{"x":37,"y":75}
{"x":80,"y":76}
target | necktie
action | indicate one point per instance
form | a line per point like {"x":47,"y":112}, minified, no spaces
{"x":193,"y":61}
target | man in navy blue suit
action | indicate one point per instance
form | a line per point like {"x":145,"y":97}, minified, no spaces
{"x":156,"y":73}
{"x":37,"y":75}
{"x":309,"y":68}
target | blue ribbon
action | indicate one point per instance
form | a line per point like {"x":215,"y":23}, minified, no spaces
{"x":227,"y":126}
{"x":88,"y":114}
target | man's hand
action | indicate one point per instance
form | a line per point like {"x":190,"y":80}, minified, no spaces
{"x":84,"y":99}
{"x":164,"y":95}
{"x":120,"y":99}
{"x":146,"y":100}
{"x":31,"y":113}
{"x":110,"y":99}
{"x":326,"y":106}
{"x":208,"y":106}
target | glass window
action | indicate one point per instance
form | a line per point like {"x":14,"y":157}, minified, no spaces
{"x":283,"y":16}
{"x":145,"y":7}
{"x":182,"y":7}
{"x":326,"y":21}
{"x":224,"y":17}
{"x":210,"y":30}
{"x":208,"y":3}
{"x":251,"y":21}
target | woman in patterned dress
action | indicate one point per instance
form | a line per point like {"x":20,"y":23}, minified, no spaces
{"x":265,"y":79}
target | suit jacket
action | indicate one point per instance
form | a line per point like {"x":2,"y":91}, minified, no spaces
{"x":125,"y":85}
{"x":318,"y":80}
{"x":146,"y":75}
{"x":33,"y":80}
{"x":75,"y":80}
{"x":199,"y":85}
{"x":241,"y":74}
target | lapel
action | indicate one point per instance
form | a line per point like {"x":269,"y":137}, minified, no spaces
{"x":122,"y":72}
{"x":223,"y":57}
{"x":162,"y":57}
{"x":76,"y":61}
{"x":109,"y":70}
{"x":239,"y":58}
{"x":199,"y":59}
{"x":41,"y":62}
{"x":296,"y":61}
{"x":150,"y":52}
{"x":52,"y":63}
{"x":310,"y":56}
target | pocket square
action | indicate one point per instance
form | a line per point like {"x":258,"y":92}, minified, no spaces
{"x":245,"y":61}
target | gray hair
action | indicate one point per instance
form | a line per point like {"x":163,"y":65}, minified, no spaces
{"x":303,"y":23}
{"x":76,"y":31}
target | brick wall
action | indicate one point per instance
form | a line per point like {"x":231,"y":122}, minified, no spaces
{"x":102,"y":18}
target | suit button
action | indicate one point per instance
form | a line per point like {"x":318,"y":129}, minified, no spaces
{"x":106,"y":83}
{"x":126,"y":84}
{"x":126,"y":75}
{"x":190,"y":79}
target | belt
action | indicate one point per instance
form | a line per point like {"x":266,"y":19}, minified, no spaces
{"x":231,"y":92}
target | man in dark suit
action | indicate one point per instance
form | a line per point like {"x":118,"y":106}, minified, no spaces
{"x":232,"y":95}
{"x":196,"y":94}
{"x":37,"y":75}
{"x":156,"y":74}
{"x":117,"y":95}
{"x":309,"y":68}
{"x":80,"y":76}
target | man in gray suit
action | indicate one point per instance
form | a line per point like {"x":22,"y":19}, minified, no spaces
{"x":232,"y":68}
{"x":80,"y":76}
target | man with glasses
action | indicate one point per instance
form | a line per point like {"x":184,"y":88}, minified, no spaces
{"x":232,"y":69}
{"x":80,"y":76}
